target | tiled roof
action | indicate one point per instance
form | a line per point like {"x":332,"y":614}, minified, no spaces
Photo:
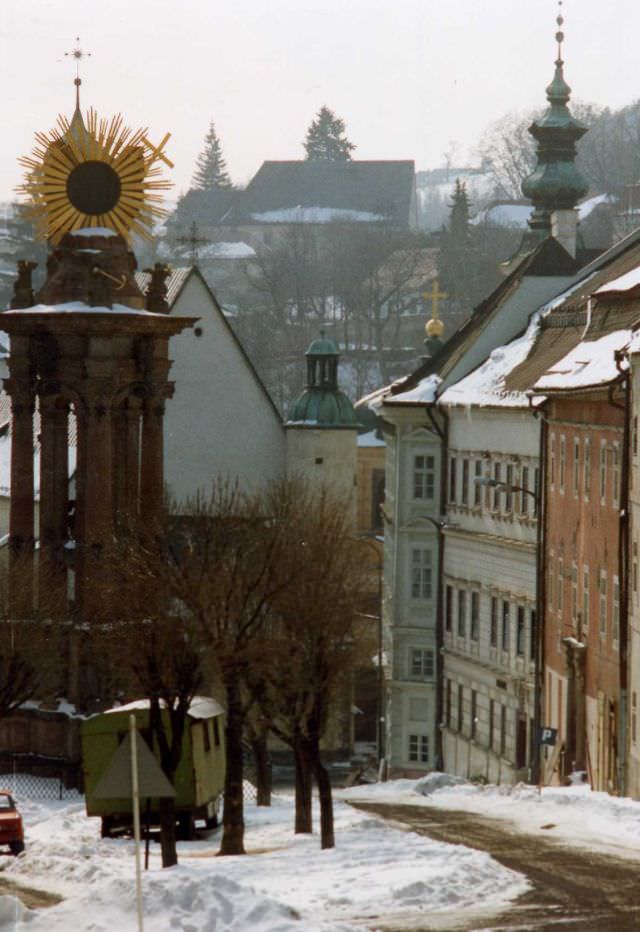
{"x":175,"y":282}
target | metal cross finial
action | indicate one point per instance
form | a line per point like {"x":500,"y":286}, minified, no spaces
{"x":193,"y":241}
{"x":78,"y":54}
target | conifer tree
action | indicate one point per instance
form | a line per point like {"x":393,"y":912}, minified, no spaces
{"x":211,"y":169}
{"x":326,"y":138}
{"x":455,"y":263}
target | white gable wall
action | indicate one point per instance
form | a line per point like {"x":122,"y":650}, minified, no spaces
{"x":220,"y":420}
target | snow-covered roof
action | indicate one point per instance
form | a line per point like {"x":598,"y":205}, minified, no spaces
{"x":174,"y":282}
{"x":370,"y":439}
{"x":80,"y":307}
{"x":232,"y":250}
{"x":316,"y":215}
{"x":94,"y":231}
{"x":590,"y":363}
{"x":201,"y":707}
{"x":423,"y":393}
{"x":485,"y":386}
{"x":504,"y":215}
{"x":625,"y":282}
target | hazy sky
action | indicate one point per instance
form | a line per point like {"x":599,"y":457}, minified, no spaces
{"x":409,"y":77}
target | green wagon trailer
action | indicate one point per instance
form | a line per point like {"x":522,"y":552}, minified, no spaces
{"x":199,"y":779}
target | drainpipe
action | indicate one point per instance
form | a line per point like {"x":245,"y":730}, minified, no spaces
{"x":541,"y":600}
{"x":623,"y":574}
{"x":443,"y":433}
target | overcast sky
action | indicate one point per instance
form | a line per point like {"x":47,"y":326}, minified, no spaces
{"x":409,"y":77}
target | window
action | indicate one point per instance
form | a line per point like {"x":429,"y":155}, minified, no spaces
{"x":474,"y":713}
{"x":603,"y":471}
{"x":421,"y":663}
{"x":615,"y":621}
{"x":615,"y":479}
{"x":475,"y":616}
{"x":477,"y":488}
{"x":520,"y":631}
{"x":506,"y":625}
{"x":586,"y":473}
{"x":464,"y":491}
{"x":492,"y":715}
{"x":560,"y":585}
{"x":603,"y":603}
{"x":452,"y":480}
{"x":424,"y":477}
{"x":503,"y":729}
{"x":462,"y":613}
{"x":563,"y":462}
{"x":494,"y":621}
{"x":524,"y":498}
{"x":576,"y":467}
{"x":447,"y":704}
{"x":460,"y":707}
{"x":532,"y":634}
{"x":552,"y":460}
{"x":536,"y":489}
{"x":574,"y":594}
{"x":634,"y":719}
{"x":448,"y":614}
{"x":585,"y":600}
{"x":419,"y":749}
{"x":377,"y":497}
{"x":550,"y":581}
{"x":497,"y":475}
{"x":508,"y":495}
{"x":634,"y":435}
{"x":420,"y":573}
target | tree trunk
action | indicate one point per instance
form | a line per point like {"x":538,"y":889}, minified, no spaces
{"x":323,"y":781}
{"x":168,"y":831}
{"x":233,"y":816}
{"x":263,"y":770}
{"x":303,"y":792}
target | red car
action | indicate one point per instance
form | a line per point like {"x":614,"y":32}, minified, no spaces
{"x":11,"y":831}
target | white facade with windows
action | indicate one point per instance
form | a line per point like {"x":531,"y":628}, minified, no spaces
{"x":490,"y":593}
{"x":412,"y":496}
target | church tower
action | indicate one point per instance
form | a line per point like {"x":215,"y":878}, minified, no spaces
{"x":322,"y":427}
{"x":88,"y":368}
{"x":555,"y":186}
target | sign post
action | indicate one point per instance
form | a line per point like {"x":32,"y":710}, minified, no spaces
{"x":546,"y":739}
{"x":135,"y":796}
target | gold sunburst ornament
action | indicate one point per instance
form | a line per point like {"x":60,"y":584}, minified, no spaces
{"x":96,"y":175}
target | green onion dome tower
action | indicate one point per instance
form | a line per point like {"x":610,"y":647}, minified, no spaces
{"x":322,"y":427}
{"x":555,"y":184}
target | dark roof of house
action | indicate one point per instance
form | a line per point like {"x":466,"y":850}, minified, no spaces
{"x":383,"y":188}
{"x":205,"y":208}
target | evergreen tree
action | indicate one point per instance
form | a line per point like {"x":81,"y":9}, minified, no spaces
{"x":326,"y":138}
{"x":211,"y":169}
{"x":455,"y":262}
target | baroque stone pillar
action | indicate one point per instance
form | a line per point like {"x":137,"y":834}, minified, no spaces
{"x":54,"y":504}
{"x":21,"y":514}
{"x":152,"y":472}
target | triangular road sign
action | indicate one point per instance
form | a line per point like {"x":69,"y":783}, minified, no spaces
{"x":115,"y":782}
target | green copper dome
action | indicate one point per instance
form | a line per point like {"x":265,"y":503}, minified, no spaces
{"x":555,"y":183}
{"x":322,"y":404}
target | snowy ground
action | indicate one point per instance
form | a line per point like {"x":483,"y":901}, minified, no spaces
{"x":286,"y":883}
{"x":572,"y":814}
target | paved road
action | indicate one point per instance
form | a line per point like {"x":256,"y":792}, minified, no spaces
{"x":572,"y":889}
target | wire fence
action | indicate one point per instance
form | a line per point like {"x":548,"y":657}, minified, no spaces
{"x":29,"y":777}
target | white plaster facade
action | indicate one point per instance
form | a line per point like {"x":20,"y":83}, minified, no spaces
{"x":327,"y":456}
{"x":410,"y":587}
{"x":490,"y":594}
{"x":220,"y":421}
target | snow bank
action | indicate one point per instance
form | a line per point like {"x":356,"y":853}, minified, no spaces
{"x":286,"y":883}
{"x":574,"y":814}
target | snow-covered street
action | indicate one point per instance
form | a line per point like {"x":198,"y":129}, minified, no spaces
{"x":284,"y":883}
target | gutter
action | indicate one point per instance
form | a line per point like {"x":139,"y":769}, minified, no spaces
{"x":539,"y":633}
{"x":443,"y":433}
{"x":623,"y":576}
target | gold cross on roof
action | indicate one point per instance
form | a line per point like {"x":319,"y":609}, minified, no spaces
{"x":435,"y":296}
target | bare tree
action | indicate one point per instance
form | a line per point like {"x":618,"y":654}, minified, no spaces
{"x":315,"y":636}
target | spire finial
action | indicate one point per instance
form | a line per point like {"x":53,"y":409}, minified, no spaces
{"x":78,"y":54}
{"x":559,"y":33}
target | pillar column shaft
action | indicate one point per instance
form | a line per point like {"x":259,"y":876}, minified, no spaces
{"x":126,"y":458}
{"x":21,"y":513}
{"x":54,"y":505}
{"x":96,"y":528}
{"x":152,"y":473}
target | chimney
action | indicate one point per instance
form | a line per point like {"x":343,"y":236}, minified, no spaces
{"x":564,"y":228}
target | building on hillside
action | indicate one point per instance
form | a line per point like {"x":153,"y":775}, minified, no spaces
{"x":630,"y":609}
